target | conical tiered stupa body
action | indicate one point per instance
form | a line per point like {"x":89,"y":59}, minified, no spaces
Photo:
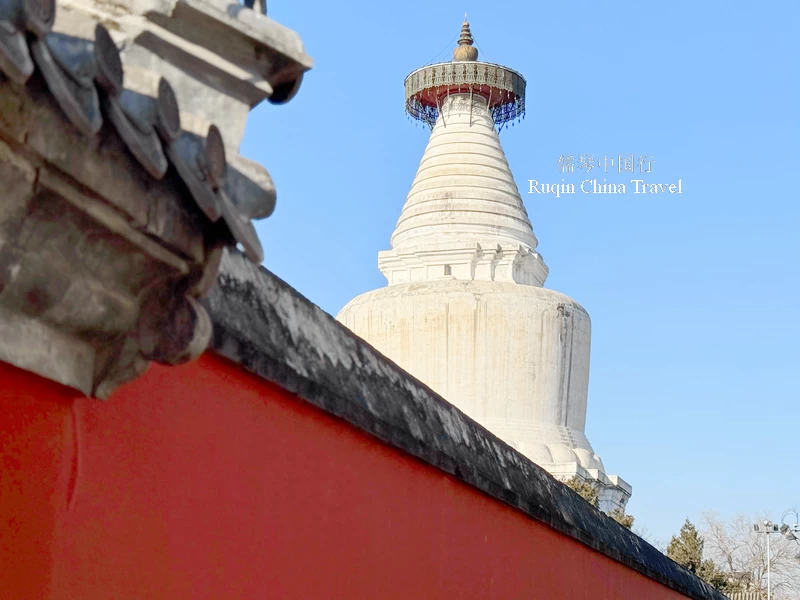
{"x":465,"y":310}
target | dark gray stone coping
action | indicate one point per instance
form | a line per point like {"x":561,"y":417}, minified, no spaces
{"x":266,"y":326}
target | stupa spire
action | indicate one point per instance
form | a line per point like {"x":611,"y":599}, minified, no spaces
{"x":465,"y":51}
{"x":464,"y":215}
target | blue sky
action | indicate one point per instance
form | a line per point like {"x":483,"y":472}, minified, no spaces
{"x":695,"y":369}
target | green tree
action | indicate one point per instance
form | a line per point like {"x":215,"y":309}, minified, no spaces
{"x":621,"y":517}
{"x":686,"y":549}
{"x":588,"y":491}
{"x":584,"y":489}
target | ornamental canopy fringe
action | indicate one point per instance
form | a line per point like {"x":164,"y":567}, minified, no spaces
{"x":503,"y":88}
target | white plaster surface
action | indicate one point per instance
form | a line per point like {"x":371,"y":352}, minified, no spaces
{"x":464,"y":211}
{"x":463,"y":190}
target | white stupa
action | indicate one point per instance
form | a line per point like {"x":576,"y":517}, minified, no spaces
{"x":465,"y":311}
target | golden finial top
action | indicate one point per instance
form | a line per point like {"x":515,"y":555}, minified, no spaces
{"x":465,"y":50}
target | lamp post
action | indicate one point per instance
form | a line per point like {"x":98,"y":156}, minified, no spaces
{"x":767,"y":527}
{"x":791,"y":531}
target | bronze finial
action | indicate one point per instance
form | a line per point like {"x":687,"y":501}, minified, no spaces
{"x":465,"y":51}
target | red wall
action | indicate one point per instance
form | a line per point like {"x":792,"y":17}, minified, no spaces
{"x":204,"y":482}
